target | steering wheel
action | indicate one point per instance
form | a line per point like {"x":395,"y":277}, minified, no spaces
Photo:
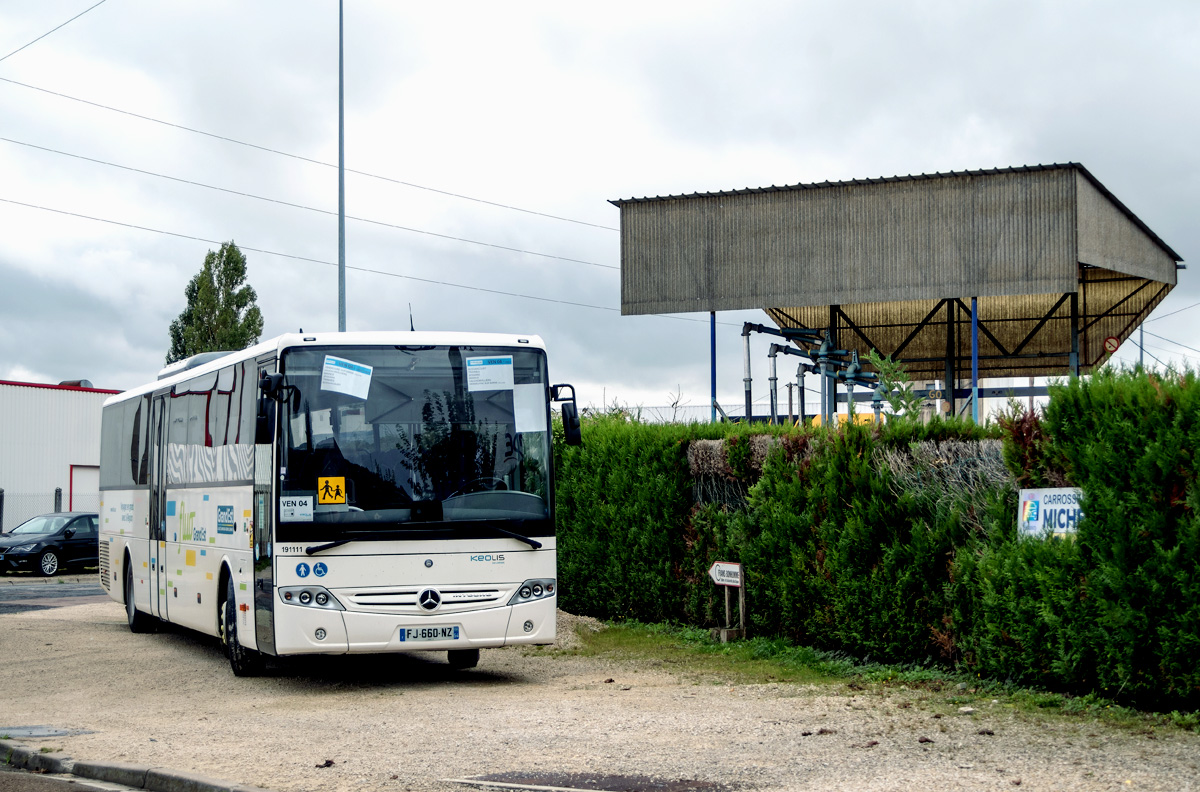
{"x":484,"y":484}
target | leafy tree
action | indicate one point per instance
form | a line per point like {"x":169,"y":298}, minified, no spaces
{"x":221,"y":312}
{"x":896,"y":387}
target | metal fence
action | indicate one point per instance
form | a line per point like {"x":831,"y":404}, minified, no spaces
{"x":17,"y":507}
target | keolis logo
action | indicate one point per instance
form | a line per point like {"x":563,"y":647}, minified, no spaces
{"x":489,"y":558}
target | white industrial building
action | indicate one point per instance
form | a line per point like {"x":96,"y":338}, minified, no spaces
{"x":49,"y":440}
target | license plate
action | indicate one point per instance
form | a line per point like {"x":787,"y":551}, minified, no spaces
{"x":432,"y":633}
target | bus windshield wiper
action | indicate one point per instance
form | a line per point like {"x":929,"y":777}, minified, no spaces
{"x":329,"y":545}
{"x":535,"y":544}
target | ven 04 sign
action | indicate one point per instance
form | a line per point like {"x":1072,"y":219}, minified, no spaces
{"x":1055,"y":511}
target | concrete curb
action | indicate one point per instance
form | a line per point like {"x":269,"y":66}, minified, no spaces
{"x":11,"y":579}
{"x":152,"y":779}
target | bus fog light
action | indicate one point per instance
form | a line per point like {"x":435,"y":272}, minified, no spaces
{"x":322,"y":598}
{"x":305,"y":597}
{"x":537,"y":589}
{"x":320,"y":634}
{"x":528,"y":626}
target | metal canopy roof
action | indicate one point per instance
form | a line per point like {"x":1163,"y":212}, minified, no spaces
{"x":1057,"y":262}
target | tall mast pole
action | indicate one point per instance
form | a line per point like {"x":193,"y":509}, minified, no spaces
{"x":341,"y":184}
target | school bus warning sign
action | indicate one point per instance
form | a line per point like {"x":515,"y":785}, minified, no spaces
{"x":331,"y":490}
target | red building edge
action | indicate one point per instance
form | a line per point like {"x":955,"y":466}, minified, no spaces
{"x":58,"y":387}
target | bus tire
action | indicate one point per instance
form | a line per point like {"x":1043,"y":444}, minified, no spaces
{"x":461,"y":659}
{"x":244,"y":661}
{"x":138,"y":622}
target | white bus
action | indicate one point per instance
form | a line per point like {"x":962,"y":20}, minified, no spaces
{"x":339,"y":493}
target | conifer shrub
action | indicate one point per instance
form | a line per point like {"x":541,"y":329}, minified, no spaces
{"x":899,"y":542}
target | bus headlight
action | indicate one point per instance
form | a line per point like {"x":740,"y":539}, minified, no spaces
{"x":310,"y":597}
{"x":532,"y":590}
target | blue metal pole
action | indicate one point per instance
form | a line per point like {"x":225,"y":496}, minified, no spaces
{"x":975,"y":359}
{"x":712,"y":345}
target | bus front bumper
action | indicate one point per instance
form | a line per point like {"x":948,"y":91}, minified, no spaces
{"x":300,"y":630}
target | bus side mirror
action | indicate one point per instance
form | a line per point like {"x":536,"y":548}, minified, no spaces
{"x":264,"y":428}
{"x":571,"y":429}
{"x":572,"y":432}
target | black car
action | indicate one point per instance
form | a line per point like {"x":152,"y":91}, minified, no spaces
{"x":51,"y":543}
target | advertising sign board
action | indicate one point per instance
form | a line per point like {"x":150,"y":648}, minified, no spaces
{"x":1054,"y":511}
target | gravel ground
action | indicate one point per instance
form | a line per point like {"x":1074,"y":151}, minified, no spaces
{"x":405,"y":722}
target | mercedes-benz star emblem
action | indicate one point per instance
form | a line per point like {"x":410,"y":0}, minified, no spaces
{"x":429,"y":599}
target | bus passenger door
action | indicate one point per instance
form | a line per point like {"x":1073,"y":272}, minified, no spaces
{"x":158,"y":510}
{"x":265,"y":482}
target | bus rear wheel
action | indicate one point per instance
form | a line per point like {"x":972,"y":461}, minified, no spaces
{"x":460,"y":659}
{"x":244,"y":661}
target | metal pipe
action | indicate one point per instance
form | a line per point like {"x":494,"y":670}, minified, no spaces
{"x":791,"y":420}
{"x":800,"y":369}
{"x":823,"y":363}
{"x":771,"y":355}
{"x":746,"y":361}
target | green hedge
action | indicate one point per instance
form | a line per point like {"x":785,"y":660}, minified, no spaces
{"x":900,"y":543}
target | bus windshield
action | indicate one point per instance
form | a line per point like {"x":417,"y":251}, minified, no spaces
{"x":396,"y":438}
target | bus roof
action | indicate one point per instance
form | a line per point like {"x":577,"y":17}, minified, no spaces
{"x":371,"y":338}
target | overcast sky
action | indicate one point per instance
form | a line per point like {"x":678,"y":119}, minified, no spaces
{"x":553,"y":108}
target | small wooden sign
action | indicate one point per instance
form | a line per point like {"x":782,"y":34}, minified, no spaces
{"x":724,"y":573}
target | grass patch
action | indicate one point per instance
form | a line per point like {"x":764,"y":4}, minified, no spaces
{"x":693,"y":654}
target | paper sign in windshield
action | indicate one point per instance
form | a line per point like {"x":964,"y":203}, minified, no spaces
{"x":490,"y":373}
{"x":346,"y":376}
{"x":529,"y":408}
{"x":296,"y":508}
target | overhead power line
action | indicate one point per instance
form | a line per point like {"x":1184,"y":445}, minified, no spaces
{"x":1164,"y":316}
{"x":334,"y":264}
{"x":302,"y":206}
{"x":1169,"y":341}
{"x":48,"y":32}
{"x":307,"y":159}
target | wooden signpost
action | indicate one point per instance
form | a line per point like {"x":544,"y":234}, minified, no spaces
{"x":730,"y":576}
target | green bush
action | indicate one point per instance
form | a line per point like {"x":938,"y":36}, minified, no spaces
{"x":899,"y":542}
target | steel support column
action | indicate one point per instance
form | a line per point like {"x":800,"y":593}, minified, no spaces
{"x":951,"y":351}
{"x":1074,"y":359}
{"x":712,"y":355}
{"x":975,"y":359}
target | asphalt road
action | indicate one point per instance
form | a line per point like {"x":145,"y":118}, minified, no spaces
{"x":29,"y":594}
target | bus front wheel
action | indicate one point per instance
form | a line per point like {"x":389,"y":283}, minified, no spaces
{"x":243,"y":660}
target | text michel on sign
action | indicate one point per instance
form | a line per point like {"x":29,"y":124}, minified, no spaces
{"x":724,"y":573}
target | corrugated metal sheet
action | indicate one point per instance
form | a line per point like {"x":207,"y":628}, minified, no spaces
{"x":43,"y":432}
{"x":885,"y":253}
{"x":980,"y":233}
{"x":1110,"y":238}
